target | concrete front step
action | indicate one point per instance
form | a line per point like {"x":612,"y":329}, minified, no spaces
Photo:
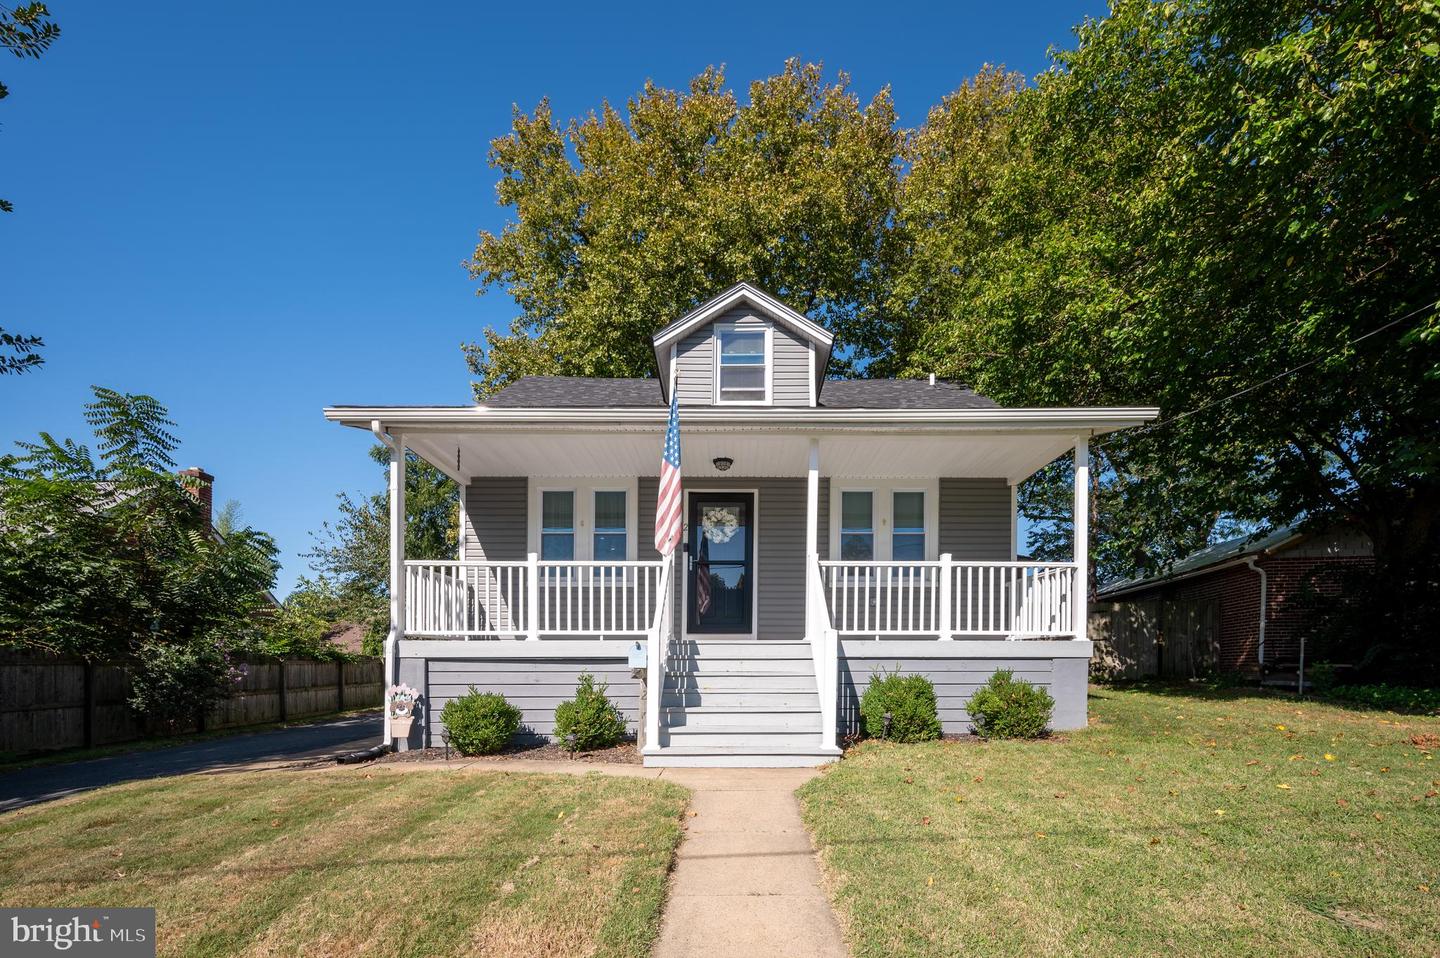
{"x":726,"y":756}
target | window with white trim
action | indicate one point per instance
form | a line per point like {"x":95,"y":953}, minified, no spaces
{"x":857,"y":525}
{"x":610,"y":530}
{"x":907,"y":526}
{"x":742,"y":364}
{"x":885,"y":520}
{"x":557,"y":525}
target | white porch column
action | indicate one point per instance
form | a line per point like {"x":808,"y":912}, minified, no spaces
{"x":1081,"y":599}
{"x":397,"y":554}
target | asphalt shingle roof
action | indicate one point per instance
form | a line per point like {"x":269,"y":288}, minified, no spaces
{"x":574,"y":392}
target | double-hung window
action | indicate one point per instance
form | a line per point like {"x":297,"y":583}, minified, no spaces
{"x":907,"y":526}
{"x":741,"y":365}
{"x":610,"y":526}
{"x":857,"y":526}
{"x":557,"y":525}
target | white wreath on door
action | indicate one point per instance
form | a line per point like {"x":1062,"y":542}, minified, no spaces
{"x":719,"y":525}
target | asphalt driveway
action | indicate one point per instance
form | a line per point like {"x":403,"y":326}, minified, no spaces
{"x":321,"y":739}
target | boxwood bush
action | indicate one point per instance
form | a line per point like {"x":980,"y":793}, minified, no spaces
{"x":479,"y":723}
{"x":590,"y":716}
{"x":910,"y":701}
{"x":1007,"y":707}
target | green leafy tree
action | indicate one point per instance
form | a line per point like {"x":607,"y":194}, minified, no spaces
{"x":1198,"y":197}
{"x":624,"y":222}
{"x":107,"y":553}
{"x":352,"y":554}
{"x":26,"y":31}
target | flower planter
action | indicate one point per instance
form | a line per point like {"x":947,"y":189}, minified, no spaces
{"x":400,"y":726}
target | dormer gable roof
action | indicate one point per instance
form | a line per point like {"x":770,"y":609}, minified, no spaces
{"x":759,"y":300}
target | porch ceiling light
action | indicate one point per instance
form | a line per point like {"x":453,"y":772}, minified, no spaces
{"x":723,"y":463}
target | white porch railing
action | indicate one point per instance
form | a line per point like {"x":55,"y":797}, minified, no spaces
{"x":946,"y":598}
{"x":530,"y":599}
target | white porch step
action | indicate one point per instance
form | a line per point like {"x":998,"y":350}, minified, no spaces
{"x":764,"y":666}
{"x":739,"y":682}
{"x":747,"y":651}
{"x":776,"y":699}
{"x":730,"y":756}
{"x":744,"y":736}
{"x":743,"y":719}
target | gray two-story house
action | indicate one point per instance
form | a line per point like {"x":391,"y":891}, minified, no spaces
{"x":831,"y":528}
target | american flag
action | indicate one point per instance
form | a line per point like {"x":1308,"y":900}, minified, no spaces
{"x":667,"y":507}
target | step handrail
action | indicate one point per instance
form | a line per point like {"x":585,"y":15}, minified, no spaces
{"x":658,"y":642}
{"x":824,"y":650}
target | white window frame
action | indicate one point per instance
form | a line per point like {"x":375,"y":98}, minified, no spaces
{"x":717,"y":330}
{"x":584,"y":490}
{"x":882,"y":497}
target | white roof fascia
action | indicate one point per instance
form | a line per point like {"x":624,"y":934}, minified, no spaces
{"x":1080,"y":420}
{"x":709,"y":311}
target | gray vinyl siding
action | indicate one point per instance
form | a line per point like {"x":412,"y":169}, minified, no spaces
{"x":791,"y":383}
{"x":695,"y":362}
{"x":822,"y":521}
{"x":956,"y":679}
{"x":975,"y":519}
{"x":535,"y":686}
{"x":495,"y":511}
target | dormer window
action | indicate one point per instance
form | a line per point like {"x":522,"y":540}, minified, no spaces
{"x":742,"y":364}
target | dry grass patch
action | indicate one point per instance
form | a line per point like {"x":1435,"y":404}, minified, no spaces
{"x":1183,"y":822}
{"x":354,"y":863}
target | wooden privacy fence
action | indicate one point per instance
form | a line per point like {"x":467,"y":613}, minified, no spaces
{"x":51,"y":702}
{"x":1155,"y":638}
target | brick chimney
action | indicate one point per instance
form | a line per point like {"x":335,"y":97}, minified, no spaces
{"x":202,"y":487}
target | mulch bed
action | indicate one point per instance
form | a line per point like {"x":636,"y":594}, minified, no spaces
{"x":623,"y":754}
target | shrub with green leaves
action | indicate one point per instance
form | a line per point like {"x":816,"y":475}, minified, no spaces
{"x":480,"y":723}
{"x":590,"y":716}
{"x":1007,"y":707}
{"x":910,"y":702}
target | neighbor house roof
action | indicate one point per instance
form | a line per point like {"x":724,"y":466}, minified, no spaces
{"x":572,"y":392}
{"x":1221,"y":553}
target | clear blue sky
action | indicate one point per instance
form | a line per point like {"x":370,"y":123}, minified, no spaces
{"x":252,"y":211}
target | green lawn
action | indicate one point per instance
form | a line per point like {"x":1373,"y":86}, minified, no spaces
{"x":359,"y":862}
{"x":1181,"y":823}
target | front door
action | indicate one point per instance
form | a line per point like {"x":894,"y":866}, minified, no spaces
{"x":720,"y":580}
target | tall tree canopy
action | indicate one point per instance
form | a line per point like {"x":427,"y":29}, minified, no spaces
{"x":1198,"y":197}
{"x":25,"y":31}
{"x":1224,"y":208}
{"x":622,"y":223}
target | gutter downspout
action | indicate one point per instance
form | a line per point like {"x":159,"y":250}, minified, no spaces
{"x":392,"y":637}
{"x":1264,"y":607}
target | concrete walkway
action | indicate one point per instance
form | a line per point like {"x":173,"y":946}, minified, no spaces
{"x":746,"y":881}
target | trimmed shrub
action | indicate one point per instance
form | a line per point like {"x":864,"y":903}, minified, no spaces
{"x":1007,"y":707}
{"x":479,"y":723}
{"x":910,"y":701}
{"x":590,"y":716}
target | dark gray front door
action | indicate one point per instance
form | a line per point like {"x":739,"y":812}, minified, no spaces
{"x":721,"y":563}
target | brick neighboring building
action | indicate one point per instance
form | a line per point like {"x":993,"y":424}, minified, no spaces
{"x":1289,"y":565}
